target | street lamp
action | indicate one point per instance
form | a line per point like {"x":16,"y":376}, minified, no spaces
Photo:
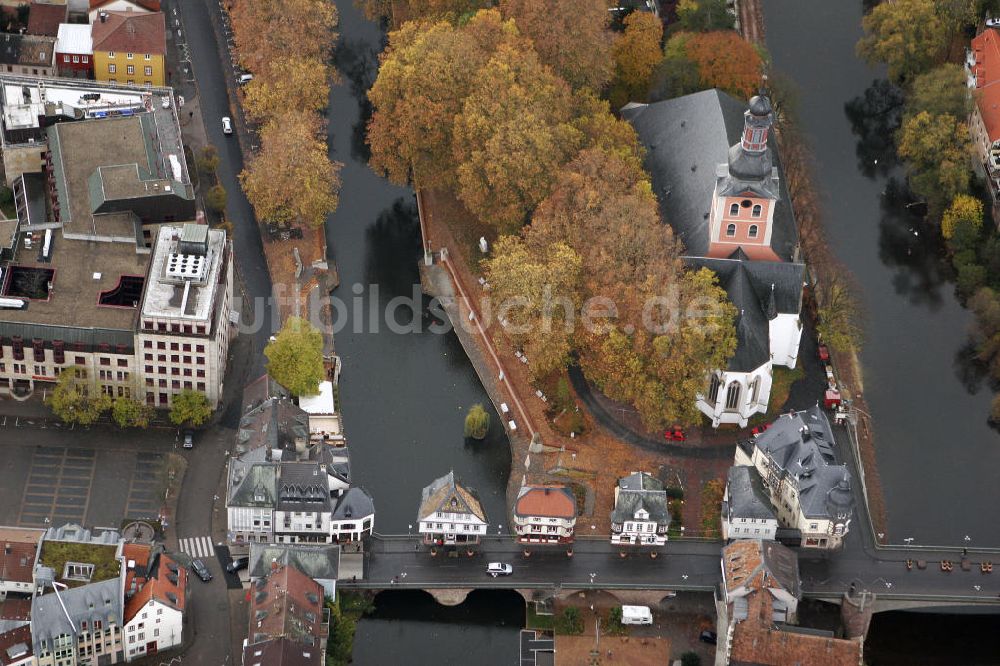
{"x":409,"y":530}
{"x":908,"y":540}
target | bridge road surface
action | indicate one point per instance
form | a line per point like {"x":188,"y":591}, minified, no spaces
{"x":681,"y":565}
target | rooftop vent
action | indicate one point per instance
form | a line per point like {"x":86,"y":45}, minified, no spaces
{"x":186,"y":267}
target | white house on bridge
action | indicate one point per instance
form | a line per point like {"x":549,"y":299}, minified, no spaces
{"x":641,"y":515}
{"x":807,"y":489}
{"x":716,"y":175}
{"x":545,"y":514}
{"x":450,"y":514}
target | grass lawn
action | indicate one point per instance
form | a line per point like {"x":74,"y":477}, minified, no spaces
{"x":536,"y":621}
{"x":55,"y":554}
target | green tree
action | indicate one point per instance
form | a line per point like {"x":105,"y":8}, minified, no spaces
{"x":535,"y":292}
{"x":129,"y":413}
{"x":570,"y":36}
{"x":677,"y":74}
{"x":690,"y":659}
{"x":295,"y":357}
{"x":839,"y":314}
{"x":636,"y":55}
{"x":477,"y":422}
{"x":215,"y":198}
{"x":208,"y":161}
{"x":340,"y":643}
{"x":938,"y":150}
{"x":703,"y":16}
{"x":71,"y":400}
{"x":569,"y":622}
{"x":908,"y":35}
{"x":189,"y":407}
{"x":941,"y":91}
{"x":963,"y":209}
{"x":512,"y":136}
{"x":426,"y":73}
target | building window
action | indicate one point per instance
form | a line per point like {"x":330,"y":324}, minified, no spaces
{"x":755,"y":390}
{"x":149,"y":369}
{"x":105,"y":361}
{"x":128,"y":55}
{"x":130,"y":69}
{"x":732,"y":395}
{"x":713,"y":389}
{"x":734,"y":210}
{"x":112,"y":68}
{"x":147,"y":57}
{"x":753,"y":231}
{"x":148,"y":71}
{"x":174,"y":346}
{"x":161,"y":345}
{"x":86,"y":59}
{"x":731,"y":229}
{"x":200,"y":349}
{"x":79,"y":360}
{"x":111,"y":54}
{"x":123,"y":363}
{"x":757,"y":210}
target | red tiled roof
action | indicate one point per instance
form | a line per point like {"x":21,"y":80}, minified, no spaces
{"x":44,"y":19}
{"x":15,"y":608}
{"x":288,"y":604}
{"x":152,"y":584}
{"x":986,"y":47}
{"x":547,"y":501}
{"x":17,"y":557}
{"x":151,"y":5}
{"x":759,"y":642}
{"x":11,"y":638}
{"x":130,"y":32}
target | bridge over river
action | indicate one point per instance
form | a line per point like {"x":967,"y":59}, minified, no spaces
{"x":681,"y":565}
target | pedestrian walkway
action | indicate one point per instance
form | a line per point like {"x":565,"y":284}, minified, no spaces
{"x":197,"y":546}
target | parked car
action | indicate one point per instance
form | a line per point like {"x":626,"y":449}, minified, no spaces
{"x":499,"y":569}
{"x":244,"y":79}
{"x":238,"y":564}
{"x":709,"y":637}
{"x":166,"y":102}
{"x":993,"y":23}
{"x":188,"y":439}
{"x":227,"y":125}
{"x":200,"y":570}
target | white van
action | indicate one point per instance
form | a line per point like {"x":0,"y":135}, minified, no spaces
{"x":637,"y":615}
{"x":244,"y":79}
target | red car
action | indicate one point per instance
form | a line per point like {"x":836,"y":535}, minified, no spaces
{"x":824,"y":354}
{"x":675,"y":434}
{"x":760,"y":429}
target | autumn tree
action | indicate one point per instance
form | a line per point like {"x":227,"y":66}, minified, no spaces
{"x":937,"y":149}
{"x":295,"y":357}
{"x":964,"y":209}
{"x":477,"y":422}
{"x":908,"y":35}
{"x":512,"y":136}
{"x":292,"y":81}
{"x":676,"y":75}
{"x":725,"y":61}
{"x":421,"y":10}
{"x":264,"y":32}
{"x":535,"y":289}
{"x":71,"y":399}
{"x":838,"y":313}
{"x":426,"y":73}
{"x":601,"y":129}
{"x":129,"y":413}
{"x":570,"y":36}
{"x":636,"y":54}
{"x":189,"y":408}
{"x":703,"y":16}
{"x":940,"y":91}
{"x":215,"y":198}
{"x":292,"y":179}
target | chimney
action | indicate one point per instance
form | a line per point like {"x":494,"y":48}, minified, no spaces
{"x":274,"y":564}
{"x":103,"y":16}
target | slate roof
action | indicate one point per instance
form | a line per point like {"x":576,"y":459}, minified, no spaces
{"x":640,"y":490}
{"x":275,"y":423}
{"x":96,"y":601}
{"x":252,"y":484}
{"x":31,"y":50}
{"x":303,"y":486}
{"x":686,"y":138}
{"x":801,"y":445}
{"x":445,"y":495}
{"x":131,"y":32}
{"x":354,"y":503}
{"x":320,"y":562}
{"x":261,"y":389}
{"x":44,"y":18}
{"x":760,"y":290}
{"x":747,"y":497}
{"x":545,"y":501}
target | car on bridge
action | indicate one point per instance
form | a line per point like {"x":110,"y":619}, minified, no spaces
{"x":201,"y":570}
{"x":499,"y":569}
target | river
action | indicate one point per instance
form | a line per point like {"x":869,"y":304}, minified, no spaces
{"x":404,"y":396}
{"x":937,"y":455}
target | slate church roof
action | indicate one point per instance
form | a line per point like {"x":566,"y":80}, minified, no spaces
{"x":640,"y":490}
{"x":686,"y":139}
{"x":760,"y":290}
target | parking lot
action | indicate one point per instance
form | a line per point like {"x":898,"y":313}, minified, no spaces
{"x":96,"y":477}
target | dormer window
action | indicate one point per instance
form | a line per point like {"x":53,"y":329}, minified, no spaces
{"x":753,"y":231}
{"x":734,"y":210}
{"x":757,"y":210}
{"x":731,"y":229}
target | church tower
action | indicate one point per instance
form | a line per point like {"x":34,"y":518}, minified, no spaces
{"x":746,"y":190}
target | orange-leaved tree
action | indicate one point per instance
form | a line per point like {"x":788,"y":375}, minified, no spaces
{"x":725,"y":61}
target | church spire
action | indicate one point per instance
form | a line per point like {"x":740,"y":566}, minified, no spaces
{"x":757,"y":123}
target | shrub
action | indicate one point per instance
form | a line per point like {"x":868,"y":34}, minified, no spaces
{"x":569,"y":621}
{"x":675,"y":492}
{"x":613,"y":623}
{"x":690,"y":659}
{"x":215,"y":198}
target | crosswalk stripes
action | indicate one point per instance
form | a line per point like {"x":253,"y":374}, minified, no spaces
{"x":197,"y":546}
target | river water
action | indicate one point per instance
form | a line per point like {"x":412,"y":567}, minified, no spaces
{"x":937,"y":455}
